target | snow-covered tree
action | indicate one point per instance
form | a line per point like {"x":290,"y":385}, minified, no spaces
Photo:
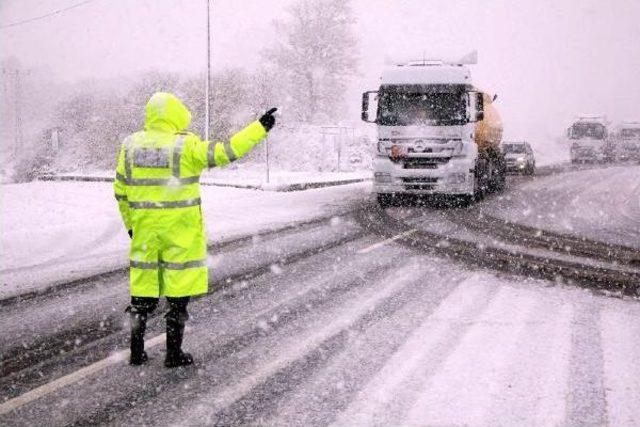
{"x":315,"y":54}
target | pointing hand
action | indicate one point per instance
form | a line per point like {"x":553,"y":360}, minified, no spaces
{"x":268,"y":120}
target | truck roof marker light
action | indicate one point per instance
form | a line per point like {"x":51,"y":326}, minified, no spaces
{"x":470,"y":58}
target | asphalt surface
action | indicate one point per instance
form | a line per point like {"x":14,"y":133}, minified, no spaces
{"x":408,"y":316}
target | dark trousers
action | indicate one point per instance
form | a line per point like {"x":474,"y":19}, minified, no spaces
{"x":147,"y":305}
{"x":141,"y":307}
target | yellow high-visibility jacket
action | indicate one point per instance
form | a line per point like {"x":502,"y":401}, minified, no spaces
{"x":158,"y":195}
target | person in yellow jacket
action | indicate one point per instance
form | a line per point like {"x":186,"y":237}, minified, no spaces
{"x":158,"y":195}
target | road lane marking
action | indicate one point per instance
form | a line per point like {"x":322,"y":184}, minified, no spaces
{"x":46,"y":389}
{"x":384,"y":242}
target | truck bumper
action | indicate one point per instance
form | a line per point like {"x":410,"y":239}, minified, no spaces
{"x":588,"y":157}
{"x":516,"y":168}
{"x":456,"y":177}
{"x":629,"y":154}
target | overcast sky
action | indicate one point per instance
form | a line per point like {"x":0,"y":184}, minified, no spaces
{"x":548,"y":60}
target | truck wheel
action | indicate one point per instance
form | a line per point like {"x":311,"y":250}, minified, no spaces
{"x":385,"y":200}
{"x":501,"y":180}
{"x":478,"y":190}
{"x":465,"y":200}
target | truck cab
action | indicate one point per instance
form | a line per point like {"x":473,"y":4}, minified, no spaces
{"x":589,"y":139}
{"x":431,"y":138}
{"x":627,"y":145}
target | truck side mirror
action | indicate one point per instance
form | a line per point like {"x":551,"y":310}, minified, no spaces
{"x":476,"y":107}
{"x":365,"y":106}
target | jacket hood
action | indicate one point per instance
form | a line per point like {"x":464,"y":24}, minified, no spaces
{"x":166,"y":112}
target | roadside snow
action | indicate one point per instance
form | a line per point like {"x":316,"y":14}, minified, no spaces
{"x":60,"y":231}
{"x":257,"y":177}
{"x":248,"y":177}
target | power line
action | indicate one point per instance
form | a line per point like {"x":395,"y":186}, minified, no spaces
{"x":36,"y":18}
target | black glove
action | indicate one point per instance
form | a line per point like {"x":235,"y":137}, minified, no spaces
{"x":130,"y":233}
{"x":267,"y":120}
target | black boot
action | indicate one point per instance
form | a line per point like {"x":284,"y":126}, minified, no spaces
{"x":138,"y":328}
{"x":139,"y":310}
{"x":176,"y":319}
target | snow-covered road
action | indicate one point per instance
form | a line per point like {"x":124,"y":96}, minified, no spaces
{"x":341,"y":322}
{"x":380,"y":337}
{"x":601,"y":204}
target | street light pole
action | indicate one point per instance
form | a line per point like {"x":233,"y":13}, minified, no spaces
{"x":266,"y":147}
{"x":207,"y":87}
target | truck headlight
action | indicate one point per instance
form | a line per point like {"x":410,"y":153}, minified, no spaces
{"x":382,"y":177}
{"x":457,"y":149}
{"x":383,"y":147}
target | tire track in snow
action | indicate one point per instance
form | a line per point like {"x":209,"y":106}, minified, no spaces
{"x":621,"y":353}
{"x":386,"y":398}
{"x":586,"y":400}
{"x":471,"y":385}
{"x":256,"y":396}
{"x":317,"y":400}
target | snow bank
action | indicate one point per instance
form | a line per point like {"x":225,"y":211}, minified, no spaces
{"x":58,"y":231}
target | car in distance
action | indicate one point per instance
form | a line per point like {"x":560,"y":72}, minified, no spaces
{"x":519,"y":157}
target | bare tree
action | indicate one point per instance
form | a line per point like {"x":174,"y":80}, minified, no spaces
{"x":315,"y":52}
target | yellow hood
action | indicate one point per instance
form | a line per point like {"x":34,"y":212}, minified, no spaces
{"x":166,"y":112}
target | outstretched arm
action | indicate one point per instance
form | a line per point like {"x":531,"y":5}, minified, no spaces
{"x":211,"y":154}
{"x":222,"y":153}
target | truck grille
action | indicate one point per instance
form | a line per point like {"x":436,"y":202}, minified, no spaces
{"x":425,"y":162}
{"x":584,"y":150}
{"x":419,"y":183}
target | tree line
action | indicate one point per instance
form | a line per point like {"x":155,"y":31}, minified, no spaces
{"x":306,"y":71}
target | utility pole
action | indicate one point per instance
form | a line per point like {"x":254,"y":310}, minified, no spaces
{"x":207,"y":87}
{"x":266,"y":148}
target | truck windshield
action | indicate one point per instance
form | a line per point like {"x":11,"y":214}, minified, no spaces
{"x":513,"y":148}
{"x":630,"y":133}
{"x":403,"y":108}
{"x":587,"y":131}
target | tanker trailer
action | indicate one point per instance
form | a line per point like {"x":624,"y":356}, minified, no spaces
{"x":437,"y":133}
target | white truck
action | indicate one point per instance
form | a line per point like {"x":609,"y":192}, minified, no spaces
{"x":627,"y":145}
{"x":437,"y":134}
{"x":589,"y":139}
